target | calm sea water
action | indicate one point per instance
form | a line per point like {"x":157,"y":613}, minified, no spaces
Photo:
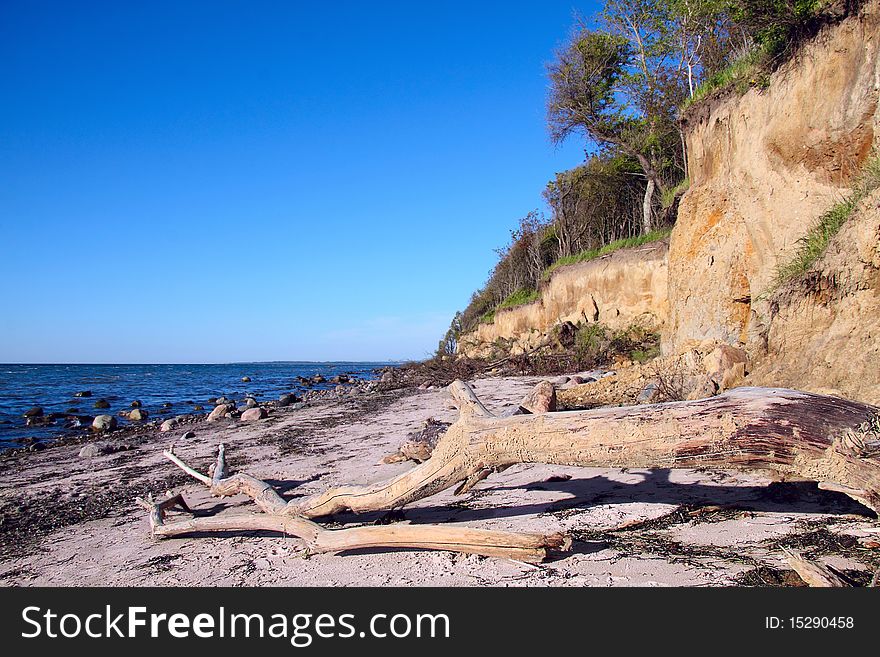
{"x":53,"y":387}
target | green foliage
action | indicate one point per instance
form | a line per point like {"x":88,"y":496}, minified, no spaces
{"x":595,"y":344}
{"x":813,"y":245}
{"x":644,"y":355}
{"x":591,"y":343}
{"x":667,"y":198}
{"x":775,"y":29}
{"x":740,"y":75}
{"x":776,"y":25}
{"x":592,"y":254}
{"x":637,"y":342}
{"x":584,"y":83}
{"x":519,"y":298}
{"x":449,"y":343}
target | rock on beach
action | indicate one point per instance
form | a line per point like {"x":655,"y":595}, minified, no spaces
{"x":255,"y":413}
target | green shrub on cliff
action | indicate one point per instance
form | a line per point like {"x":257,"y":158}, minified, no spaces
{"x":519,"y":298}
{"x":812,"y":246}
{"x":592,"y":254}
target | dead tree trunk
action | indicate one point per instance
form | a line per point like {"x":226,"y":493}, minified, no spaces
{"x":789,"y":434}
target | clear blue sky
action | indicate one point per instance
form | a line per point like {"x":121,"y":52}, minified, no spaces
{"x":225,"y":181}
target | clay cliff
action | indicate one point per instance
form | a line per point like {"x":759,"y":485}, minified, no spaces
{"x":764,"y":167}
{"x":617,"y":290}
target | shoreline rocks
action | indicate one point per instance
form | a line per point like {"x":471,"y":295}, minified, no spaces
{"x":255,"y":413}
{"x":104,"y":423}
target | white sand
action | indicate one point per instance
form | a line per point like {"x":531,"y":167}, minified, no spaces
{"x":710,"y":549}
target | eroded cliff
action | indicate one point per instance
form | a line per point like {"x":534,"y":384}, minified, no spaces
{"x":618,"y":290}
{"x":764,"y":167}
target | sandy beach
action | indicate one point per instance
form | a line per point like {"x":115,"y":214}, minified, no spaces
{"x":72,"y":520}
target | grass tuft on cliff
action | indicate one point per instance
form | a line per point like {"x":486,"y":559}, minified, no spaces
{"x":815,"y":242}
{"x":750,"y":70}
{"x":519,"y":298}
{"x":611,"y":247}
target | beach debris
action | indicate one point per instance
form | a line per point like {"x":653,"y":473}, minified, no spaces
{"x":814,"y":573}
{"x":282,"y":516}
{"x":787,"y":433}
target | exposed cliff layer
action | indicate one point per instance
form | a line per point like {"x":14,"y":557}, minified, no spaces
{"x":624,"y":288}
{"x":763,"y":168}
{"x":822,"y":333}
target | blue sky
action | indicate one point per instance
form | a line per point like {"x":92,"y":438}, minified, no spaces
{"x":226,"y":181}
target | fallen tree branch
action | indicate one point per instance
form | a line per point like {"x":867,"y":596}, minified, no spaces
{"x":277,"y":516}
{"x":814,"y":573}
{"x":785,"y":433}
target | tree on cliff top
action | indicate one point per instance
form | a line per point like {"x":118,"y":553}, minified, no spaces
{"x":620,"y":86}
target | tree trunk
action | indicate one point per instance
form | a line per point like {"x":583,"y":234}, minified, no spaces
{"x":787,"y":433}
{"x":647,"y":206}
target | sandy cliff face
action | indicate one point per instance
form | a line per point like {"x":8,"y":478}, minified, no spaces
{"x":618,"y":290}
{"x":822,"y":333}
{"x":763,"y":168}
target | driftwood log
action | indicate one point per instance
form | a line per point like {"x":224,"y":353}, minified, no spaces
{"x":788,"y":434}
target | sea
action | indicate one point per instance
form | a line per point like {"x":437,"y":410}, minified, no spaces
{"x":163,"y":390}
